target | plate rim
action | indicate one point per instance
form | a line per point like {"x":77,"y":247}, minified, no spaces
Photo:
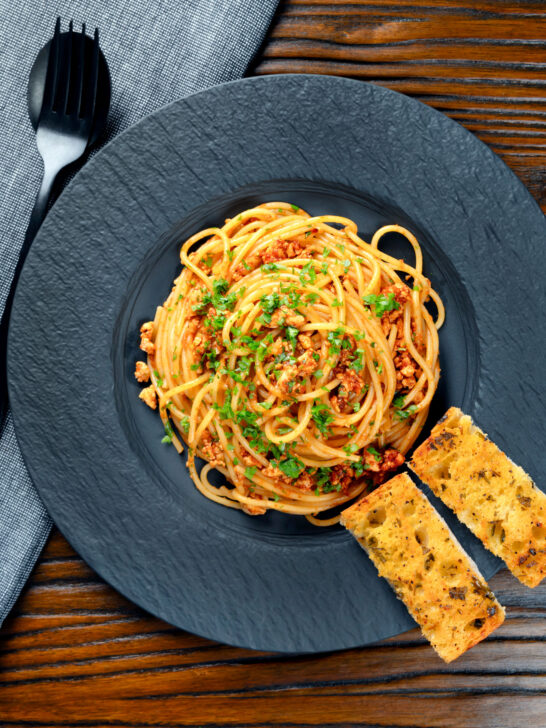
{"x":251,"y":80}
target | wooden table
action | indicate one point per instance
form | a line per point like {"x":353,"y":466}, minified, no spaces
{"x":75,"y":653}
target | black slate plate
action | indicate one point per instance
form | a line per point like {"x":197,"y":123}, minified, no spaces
{"x":106,"y":256}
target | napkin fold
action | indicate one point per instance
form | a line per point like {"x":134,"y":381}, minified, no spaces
{"x":157,"y":52}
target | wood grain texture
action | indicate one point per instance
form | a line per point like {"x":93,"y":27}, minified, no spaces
{"x":483,"y":63}
{"x":75,"y":653}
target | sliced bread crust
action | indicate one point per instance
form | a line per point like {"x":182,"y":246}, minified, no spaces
{"x":414,"y":549}
{"x":489,"y":493}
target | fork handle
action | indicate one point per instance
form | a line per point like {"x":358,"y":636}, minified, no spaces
{"x":36,"y":218}
{"x":37,"y":215}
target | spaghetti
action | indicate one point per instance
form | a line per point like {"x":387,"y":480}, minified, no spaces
{"x":294,"y":358}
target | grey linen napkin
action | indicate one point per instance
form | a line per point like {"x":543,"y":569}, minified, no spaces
{"x":157,"y":52}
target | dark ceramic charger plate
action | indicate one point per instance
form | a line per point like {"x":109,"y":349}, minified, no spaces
{"x":106,"y":257}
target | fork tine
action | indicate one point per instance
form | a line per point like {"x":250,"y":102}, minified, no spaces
{"x":93,"y":77}
{"x":67,"y":72}
{"x":80,"y":61}
{"x":52,"y":69}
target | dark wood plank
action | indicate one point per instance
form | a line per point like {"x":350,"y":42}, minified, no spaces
{"x":481,"y":63}
{"x":72,"y":639}
{"x":75,"y":653}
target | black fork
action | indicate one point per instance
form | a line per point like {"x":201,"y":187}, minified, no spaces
{"x":67,"y":114}
{"x":63,"y":133}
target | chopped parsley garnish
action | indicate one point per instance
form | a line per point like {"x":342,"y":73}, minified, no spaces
{"x":295,"y":207}
{"x":255,"y":438}
{"x":218,"y":321}
{"x":250,"y":343}
{"x":225,"y":411}
{"x":408,"y":412}
{"x":233,"y":374}
{"x":252,"y":433}
{"x":246,"y":415}
{"x":212,"y":359}
{"x":292,"y":467}
{"x":284,"y":430}
{"x":359,"y":467}
{"x":336,"y":303}
{"x":293,"y":300}
{"x":351,"y":448}
{"x":219,"y":286}
{"x":322,"y":417}
{"x":292,"y":335}
{"x":335,"y":339}
{"x":381,"y":303}
{"x":263,"y":346}
{"x":219,"y":298}
{"x":270,"y":267}
{"x":373,"y":451}
{"x":159,"y":378}
{"x":270,"y":303}
{"x":244,"y":365}
{"x":169,"y":434}
{"x":399,"y":411}
{"x":277,"y":450}
{"x":250,"y":472}
{"x":311,"y":298}
{"x":322,"y":476}
{"x":308,"y":274}
{"x":357,"y":364}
